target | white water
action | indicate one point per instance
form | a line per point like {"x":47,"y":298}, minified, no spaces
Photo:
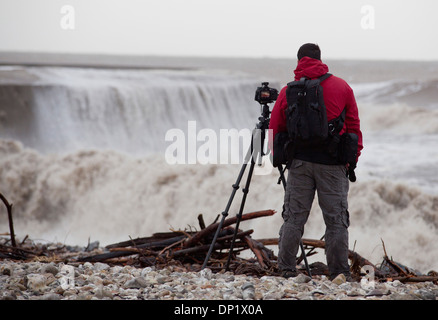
{"x":125,"y":110}
{"x":81,"y":157}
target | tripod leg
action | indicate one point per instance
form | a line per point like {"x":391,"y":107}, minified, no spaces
{"x":239,"y":215}
{"x":283,"y":180}
{"x":225,"y":213}
{"x":248,"y":157}
{"x":305,"y":258}
{"x":254,"y":154}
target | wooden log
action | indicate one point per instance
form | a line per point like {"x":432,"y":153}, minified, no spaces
{"x":11,"y":224}
{"x":415,"y":279}
{"x":238,"y":235}
{"x":269,"y":241}
{"x":144,"y":240}
{"x":116,"y":254}
{"x":106,"y":256}
{"x":134,"y":251}
{"x":202,"y":249}
{"x":258,"y":253}
{"x":199,"y":236}
{"x":17,"y":253}
{"x":392,"y":264}
{"x":201,"y":221}
{"x":161,"y":244}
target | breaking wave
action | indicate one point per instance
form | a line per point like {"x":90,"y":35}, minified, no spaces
{"x":65,"y":109}
{"x":109,"y":196}
{"x":416,"y":93}
{"x":82,"y":156}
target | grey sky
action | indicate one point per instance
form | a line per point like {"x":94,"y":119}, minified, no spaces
{"x":403,"y":29}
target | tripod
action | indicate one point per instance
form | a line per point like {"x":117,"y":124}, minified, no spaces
{"x":252,"y":155}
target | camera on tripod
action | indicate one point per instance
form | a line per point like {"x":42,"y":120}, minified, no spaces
{"x":265,"y":94}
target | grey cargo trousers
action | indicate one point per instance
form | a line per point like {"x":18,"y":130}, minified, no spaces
{"x":331,"y":184}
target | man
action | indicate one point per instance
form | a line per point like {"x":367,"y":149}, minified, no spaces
{"x":314,"y":170}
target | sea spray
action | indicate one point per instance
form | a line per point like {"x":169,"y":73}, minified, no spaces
{"x":109,"y":196}
{"x":82,"y":156}
{"x":69,"y":109}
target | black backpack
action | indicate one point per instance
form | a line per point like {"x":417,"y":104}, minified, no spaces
{"x":306,"y":113}
{"x":306,"y":119}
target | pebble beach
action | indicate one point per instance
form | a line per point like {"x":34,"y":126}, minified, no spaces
{"x":100,"y":281}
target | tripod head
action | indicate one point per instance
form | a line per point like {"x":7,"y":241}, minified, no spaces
{"x":264,"y":95}
{"x":265,"y":117}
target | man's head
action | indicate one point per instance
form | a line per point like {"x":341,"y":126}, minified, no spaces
{"x":309,"y":50}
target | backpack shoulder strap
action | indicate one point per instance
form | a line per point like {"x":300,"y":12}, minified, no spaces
{"x":324,"y":77}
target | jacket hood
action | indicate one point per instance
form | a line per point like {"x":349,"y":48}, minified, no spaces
{"x":310,"y":68}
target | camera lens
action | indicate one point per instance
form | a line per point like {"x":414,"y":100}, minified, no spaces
{"x":265,"y":94}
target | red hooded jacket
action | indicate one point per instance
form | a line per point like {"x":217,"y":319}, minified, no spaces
{"x":337,"y":96}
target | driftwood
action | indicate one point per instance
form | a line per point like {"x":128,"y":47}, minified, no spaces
{"x":259,"y":251}
{"x":141,"y":248}
{"x":188,"y":246}
{"x":192,"y":247}
{"x":189,"y":249}
{"x":213,"y":227}
{"x":11,"y":223}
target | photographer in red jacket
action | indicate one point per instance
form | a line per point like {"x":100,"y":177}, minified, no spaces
{"x":314,"y":170}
